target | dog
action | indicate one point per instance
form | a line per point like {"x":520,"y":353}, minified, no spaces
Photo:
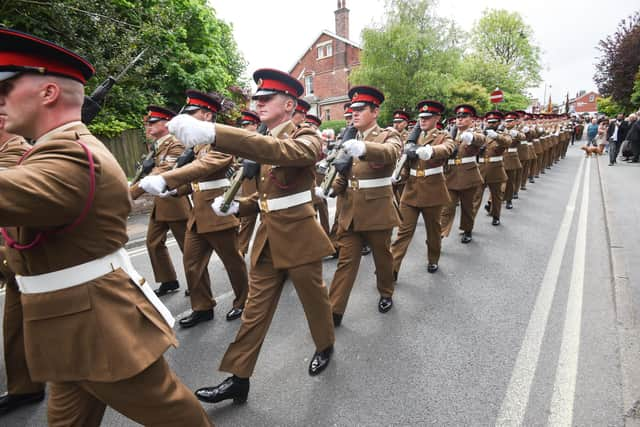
{"x":590,"y":149}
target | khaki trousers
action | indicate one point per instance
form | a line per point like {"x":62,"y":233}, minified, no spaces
{"x":467,"y":216}
{"x":265,"y":287}
{"x":197,"y":251}
{"x":349,"y":262}
{"x":155,"y":397}
{"x":511,"y":186}
{"x":333,"y":233}
{"x":497,"y":191}
{"x":524,"y":175}
{"x":163,"y":270}
{"x":18,"y":379}
{"x":539,"y":164}
{"x":410,"y":214}
{"x":247,"y":225}
{"x":323,"y":214}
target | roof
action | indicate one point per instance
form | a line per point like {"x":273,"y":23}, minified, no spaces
{"x":330,"y":34}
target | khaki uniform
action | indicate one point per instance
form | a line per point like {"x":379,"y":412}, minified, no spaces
{"x":100,"y":342}
{"x":513,"y":166}
{"x":18,"y":379}
{"x":322,"y":207}
{"x":208,"y":232}
{"x":463,"y":181}
{"x":527,"y":156}
{"x":367,"y":215}
{"x":424,"y":194}
{"x":493,"y":173}
{"x":289,"y":243}
{"x":538,"y":148}
{"x":247,"y":223}
{"x":398,"y":187}
{"x":169,"y":213}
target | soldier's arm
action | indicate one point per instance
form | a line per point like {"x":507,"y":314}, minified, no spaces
{"x":503,"y":140}
{"x":385,"y":153}
{"x":12,"y":155}
{"x":249,"y":205}
{"x":444,"y":149}
{"x":303,"y":150}
{"x":136,"y":191}
{"x":339,"y":185}
{"x":174,"y":151}
{"x":204,"y":166}
{"x":478,"y":139}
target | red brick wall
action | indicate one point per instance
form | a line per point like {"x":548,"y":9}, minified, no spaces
{"x":583,"y":104}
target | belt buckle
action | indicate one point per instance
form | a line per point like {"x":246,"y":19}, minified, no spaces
{"x":420,"y":172}
{"x":354,"y":184}
{"x":458,"y":161}
{"x":486,"y":159}
{"x":195,"y":186}
{"x":264,"y":207}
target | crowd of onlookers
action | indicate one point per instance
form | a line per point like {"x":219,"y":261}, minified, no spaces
{"x":617,"y":137}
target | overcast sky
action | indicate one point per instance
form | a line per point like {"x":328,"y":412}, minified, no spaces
{"x":276,"y":33}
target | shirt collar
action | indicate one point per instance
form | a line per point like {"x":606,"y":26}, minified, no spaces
{"x":61,"y":128}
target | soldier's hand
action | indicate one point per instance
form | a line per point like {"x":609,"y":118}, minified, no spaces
{"x":343,"y":164}
{"x":153,"y":184}
{"x":250,"y":169}
{"x":467,"y":137}
{"x":513,"y":133}
{"x":525,"y":129}
{"x":319,"y":192}
{"x":191,"y":131}
{"x":410,"y":151}
{"x":354,"y":148}
{"x":168,"y":193}
{"x":492,"y":134}
{"x":217,"y":207}
{"x":425,"y":152}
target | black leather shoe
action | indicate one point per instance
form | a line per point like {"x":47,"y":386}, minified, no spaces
{"x":515,"y":195}
{"x":234,"y":313}
{"x":509,"y":205}
{"x":487,"y":207}
{"x":532,"y":181}
{"x":496,"y":221}
{"x":332,"y":256}
{"x":395,"y":274}
{"x":432,"y":268}
{"x":320,"y":361}
{"x":366,"y":250}
{"x":384,"y":304}
{"x":232,"y":388}
{"x":337,"y":319}
{"x":187,"y":292}
{"x":466,"y":237}
{"x":196,"y":317}
{"x":167,"y":287}
{"x":9,"y":402}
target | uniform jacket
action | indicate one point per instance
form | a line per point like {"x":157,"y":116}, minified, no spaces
{"x":288,"y":157}
{"x":493,"y":172}
{"x":512,"y":159}
{"x":104,"y":330}
{"x":526,"y":151}
{"x":209,"y":165}
{"x":426,"y":191}
{"x":465,"y":175}
{"x":370,"y":208}
{"x":167,"y":208}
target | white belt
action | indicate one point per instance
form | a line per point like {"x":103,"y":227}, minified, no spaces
{"x":89,"y":271}
{"x":492,"y":159}
{"x":355,"y":184}
{"x":280,"y":203}
{"x":426,"y":172}
{"x":462,"y":160}
{"x":210,"y":185}
{"x":524,"y":143}
{"x":512,"y":150}
{"x":529,"y":143}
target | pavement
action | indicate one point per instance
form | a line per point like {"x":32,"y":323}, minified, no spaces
{"x":533,"y":323}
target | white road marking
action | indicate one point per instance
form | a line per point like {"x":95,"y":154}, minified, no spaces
{"x":516,"y":398}
{"x":561,"y":411}
{"x":143,"y":250}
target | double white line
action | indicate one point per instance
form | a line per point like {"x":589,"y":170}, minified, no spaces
{"x":516,"y":399}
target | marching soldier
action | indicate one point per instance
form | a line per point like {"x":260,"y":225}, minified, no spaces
{"x":400,"y":123}
{"x":289,"y":242}
{"x":85,"y":307}
{"x":538,"y":148}
{"x":425,"y":189}
{"x":206,"y":232}
{"x":526,"y":154}
{"x":463,"y":175}
{"x":512,"y":164}
{"x":313,"y":121}
{"x":368,"y":209}
{"x":300,"y":113}
{"x":21,"y":390}
{"x":319,"y":203}
{"x":249,"y":121}
{"x":168,"y":213}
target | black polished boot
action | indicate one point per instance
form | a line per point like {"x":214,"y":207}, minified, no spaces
{"x":234,"y":313}
{"x":432,"y":268}
{"x":466,"y":237}
{"x":232,"y":388}
{"x":320,"y":361}
{"x":10,"y":402}
{"x":166,"y":287}
{"x":509,"y":205}
{"x":487,"y":206}
{"x":385,"y":304}
{"x":515,"y":196}
{"x":366,"y":249}
{"x":337,"y":319}
{"x":196,"y":317}
{"x":496,"y":221}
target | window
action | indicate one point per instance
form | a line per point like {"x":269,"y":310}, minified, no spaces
{"x":325,"y":50}
{"x":592,"y":98}
{"x":308,"y":85}
{"x":327,"y":114}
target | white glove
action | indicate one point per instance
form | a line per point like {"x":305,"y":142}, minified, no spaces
{"x":191,"y":131}
{"x":217,"y":205}
{"x":153,"y":184}
{"x":540,"y":130}
{"x":320,"y":193}
{"x":492,"y":134}
{"x":354,"y":148}
{"x":525,"y":129}
{"x":394,"y":180}
{"x":467,"y":137}
{"x":168,"y":193}
{"x":513,"y":133}
{"x":425,"y":152}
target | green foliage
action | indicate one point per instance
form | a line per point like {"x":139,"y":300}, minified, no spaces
{"x":336,"y":125}
{"x":187,"y":47}
{"x":635,"y":95}
{"x":609,"y":107}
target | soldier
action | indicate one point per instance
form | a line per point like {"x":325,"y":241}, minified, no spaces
{"x":425,"y":189}
{"x":249,"y":121}
{"x":313,"y":121}
{"x":400,"y":123}
{"x":289,"y":242}
{"x":301,"y":112}
{"x":21,"y":390}
{"x":319,"y":203}
{"x":206,"y":232}
{"x":168,"y":213}
{"x":463,"y":175}
{"x":526,"y":154}
{"x":93,"y":328}
{"x":368,"y":209}
{"x":512,"y":164}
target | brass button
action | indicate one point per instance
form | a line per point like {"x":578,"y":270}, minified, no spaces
{"x":5,"y":263}
{"x":264,"y":194}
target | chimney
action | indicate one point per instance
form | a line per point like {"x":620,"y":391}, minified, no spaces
{"x":342,"y":19}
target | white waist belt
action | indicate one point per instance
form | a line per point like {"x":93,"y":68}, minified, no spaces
{"x":463,"y":160}
{"x":280,"y":203}
{"x":426,"y":172}
{"x":492,"y":159}
{"x":524,"y":143}
{"x":369,"y":183}
{"x":87,"y":272}
{"x":512,"y":150}
{"x":210,"y":185}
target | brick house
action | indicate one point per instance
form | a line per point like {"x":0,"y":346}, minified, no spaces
{"x":325,"y":66}
{"x":586,"y":103}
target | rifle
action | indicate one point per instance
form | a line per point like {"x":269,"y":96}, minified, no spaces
{"x":93,"y":104}
{"x":332,"y":172}
{"x":247,"y":170}
{"x":144,"y":167}
{"x":409,"y":146}
{"x":185,"y":158}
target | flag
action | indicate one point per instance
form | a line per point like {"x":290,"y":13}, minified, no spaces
{"x":549,"y":106}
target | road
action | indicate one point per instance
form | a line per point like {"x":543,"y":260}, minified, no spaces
{"x":516,"y":328}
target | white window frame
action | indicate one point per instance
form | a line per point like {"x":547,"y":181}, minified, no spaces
{"x":324,"y":49}
{"x":308,"y":84}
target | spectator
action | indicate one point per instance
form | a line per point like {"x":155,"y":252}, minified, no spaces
{"x":615,"y":135}
{"x":602,"y":135}
{"x":592,"y":132}
{"x":626,"y":145}
{"x":634,"y":139}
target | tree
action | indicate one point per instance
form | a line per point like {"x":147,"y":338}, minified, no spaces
{"x":619,"y":62}
{"x":187,"y":47}
{"x":635,"y":95}
{"x":609,"y":107}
